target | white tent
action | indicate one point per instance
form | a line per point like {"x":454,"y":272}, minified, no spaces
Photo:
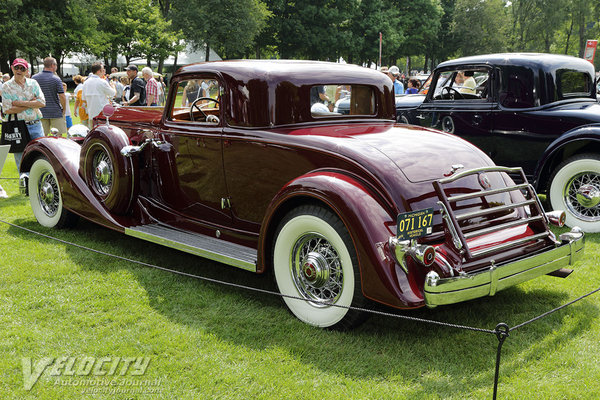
{"x":188,"y":56}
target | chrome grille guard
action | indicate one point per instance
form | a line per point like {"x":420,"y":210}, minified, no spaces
{"x":452,"y":215}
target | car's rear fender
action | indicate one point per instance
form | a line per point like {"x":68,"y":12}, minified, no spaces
{"x":64,"y":155}
{"x":368,"y":221}
{"x":583,"y":139}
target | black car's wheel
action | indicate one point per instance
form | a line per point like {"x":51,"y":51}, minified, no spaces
{"x":575,"y":188}
{"x":45,"y":197}
{"x":315,"y":261}
{"x":448,"y":124}
{"x":403,"y":119}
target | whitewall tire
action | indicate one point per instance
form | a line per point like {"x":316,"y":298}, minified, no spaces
{"x":314,"y":260}
{"x":45,"y":196}
{"x":575,"y":188}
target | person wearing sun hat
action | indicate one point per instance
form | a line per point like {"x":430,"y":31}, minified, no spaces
{"x":24,"y":97}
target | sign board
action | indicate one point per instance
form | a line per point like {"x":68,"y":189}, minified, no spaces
{"x":590,"y":50}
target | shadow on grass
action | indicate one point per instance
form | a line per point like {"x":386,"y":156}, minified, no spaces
{"x":433,"y":358}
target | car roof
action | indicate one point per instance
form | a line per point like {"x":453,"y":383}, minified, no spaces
{"x":298,"y":71}
{"x":536,"y":60}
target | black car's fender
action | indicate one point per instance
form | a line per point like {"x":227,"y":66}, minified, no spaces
{"x":583,"y":139}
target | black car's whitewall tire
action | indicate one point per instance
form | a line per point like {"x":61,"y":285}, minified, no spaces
{"x":45,"y":196}
{"x":575,"y":188}
{"x":314,"y":259}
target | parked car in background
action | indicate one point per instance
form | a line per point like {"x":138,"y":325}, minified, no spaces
{"x":342,"y":209}
{"x":536,"y":111}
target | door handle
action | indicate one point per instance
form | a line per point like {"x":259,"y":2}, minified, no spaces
{"x":477,"y":119}
{"x":420,"y":116}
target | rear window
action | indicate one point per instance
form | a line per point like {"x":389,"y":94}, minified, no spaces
{"x":336,"y":100}
{"x":571,"y":83}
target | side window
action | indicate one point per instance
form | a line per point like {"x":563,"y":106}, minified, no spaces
{"x":463,"y":84}
{"x":516,"y":88}
{"x":197,"y":101}
{"x":341,"y":99}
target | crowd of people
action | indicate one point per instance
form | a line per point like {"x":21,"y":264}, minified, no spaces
{"x":43,"y":102}
{"x":402,"y":84}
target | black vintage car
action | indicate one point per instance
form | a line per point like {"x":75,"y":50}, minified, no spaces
{"x":536,"y":111}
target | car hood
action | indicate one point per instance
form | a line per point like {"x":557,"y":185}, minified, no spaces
{"x":410,"y":101}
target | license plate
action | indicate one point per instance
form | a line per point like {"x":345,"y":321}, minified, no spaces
{"x":414,"y":224}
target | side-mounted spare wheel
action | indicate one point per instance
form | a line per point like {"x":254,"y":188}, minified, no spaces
{"x":45,"y":197}
{"x":315,"y":263}
{"x":109,"y":175}
{"x":575,"y":188}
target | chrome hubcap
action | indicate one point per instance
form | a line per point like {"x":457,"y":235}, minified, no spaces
{"x":48,"y":194}
{"x":582,"y":196}
{"x":316,"y":269}
{"x":103,"y":173}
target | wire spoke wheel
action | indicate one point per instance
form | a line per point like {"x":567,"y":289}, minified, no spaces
{"x":316,"y":269}
{"x":582,"y":195}
{"x":45,"y":196}
{"x":103,"y":173}
{"x":575,"y":188}
{"x":48,"y":194}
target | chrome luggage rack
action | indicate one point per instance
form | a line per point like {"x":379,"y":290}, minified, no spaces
{"x":452,"y":216}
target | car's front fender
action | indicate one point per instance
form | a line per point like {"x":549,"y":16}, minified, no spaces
{"x":369,"y":222}
{"x":64,"y":156}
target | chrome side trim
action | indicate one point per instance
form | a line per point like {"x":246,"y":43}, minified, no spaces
{"x":441,"y":291}
{"x":201,"y":245}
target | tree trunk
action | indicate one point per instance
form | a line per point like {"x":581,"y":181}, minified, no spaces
{"x":207,"y":55}
{"x":161,"y":63}
{"x":569,"y":35}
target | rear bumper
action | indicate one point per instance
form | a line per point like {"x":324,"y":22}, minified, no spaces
{"x":441,"y":291}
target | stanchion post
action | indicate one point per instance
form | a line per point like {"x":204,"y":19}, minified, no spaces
{"x":502,"y":331}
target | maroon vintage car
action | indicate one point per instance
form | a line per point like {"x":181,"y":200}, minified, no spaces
{"x":247,"y":165}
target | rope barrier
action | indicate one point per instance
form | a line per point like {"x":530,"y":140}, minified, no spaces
{"x":501,"y":331}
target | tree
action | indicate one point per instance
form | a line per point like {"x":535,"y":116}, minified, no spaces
{"x":421,"y":20}
{"x":228,"y":26}
{"x":370,"y":18}
{"x":479,"y":26}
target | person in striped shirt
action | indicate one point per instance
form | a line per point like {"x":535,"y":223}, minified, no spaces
{"x":56,"y":101}
{"x":152,"y":88}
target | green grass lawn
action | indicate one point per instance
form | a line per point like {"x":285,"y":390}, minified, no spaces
{"x":207,"y":341}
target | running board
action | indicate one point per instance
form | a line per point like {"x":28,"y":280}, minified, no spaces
{"x":204,"y":246}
